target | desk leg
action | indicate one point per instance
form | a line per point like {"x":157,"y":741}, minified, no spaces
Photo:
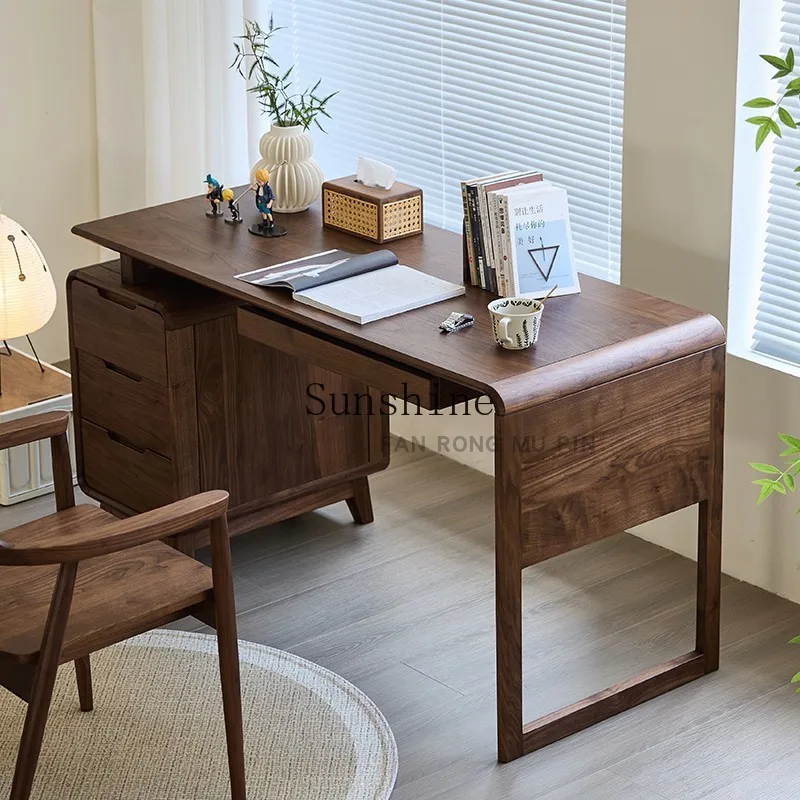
{"x":709,"y":542}
{"x":508,"y":589}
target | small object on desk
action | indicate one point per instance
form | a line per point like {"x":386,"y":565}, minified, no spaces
{"x":362,"y":288}
{"x":373,"y":173}
{"x":213,"y":195}
{"x":233,"y":206}
{"x":516,"y":321}
{"x":265,"y":199}
{"x":378,"y":215}
{"x":456,"y":322}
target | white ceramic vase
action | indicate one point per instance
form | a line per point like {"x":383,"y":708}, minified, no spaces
{"x":295,"y":177}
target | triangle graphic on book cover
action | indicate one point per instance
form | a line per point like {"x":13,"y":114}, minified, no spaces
{"x":544,"y":268}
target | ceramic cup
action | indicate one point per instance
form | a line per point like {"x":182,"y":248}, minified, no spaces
{"x":516,"y":321}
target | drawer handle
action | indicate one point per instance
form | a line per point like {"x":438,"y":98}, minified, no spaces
{"x":119,"y":371}
{"x":115,"y":437}
{"x":115,"y":298}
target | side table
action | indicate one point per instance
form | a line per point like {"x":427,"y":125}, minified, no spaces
{"x":27,"y":471}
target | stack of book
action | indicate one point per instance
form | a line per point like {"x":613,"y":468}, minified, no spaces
{"x":518,"y":236}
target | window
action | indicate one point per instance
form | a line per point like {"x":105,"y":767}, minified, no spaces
{"x":765,"y":256}
{"x":451,"y":89}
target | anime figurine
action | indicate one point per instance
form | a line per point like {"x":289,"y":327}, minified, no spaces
{"x":233,"y":207}
{"x":214,"y":196}
{"x":265,"y":198}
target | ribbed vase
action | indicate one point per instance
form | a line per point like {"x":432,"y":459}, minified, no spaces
{"x":295,"y":177}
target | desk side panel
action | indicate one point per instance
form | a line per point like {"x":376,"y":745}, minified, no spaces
{"x":606,"y":459}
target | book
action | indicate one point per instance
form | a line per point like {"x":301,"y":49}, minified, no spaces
{"x":482,"y":244}
{"x":474,"y":223}
{"x":539,"y":241}
{"x":362,"y":288}
{"x":473,"y":265}
{"x":494,"y":223}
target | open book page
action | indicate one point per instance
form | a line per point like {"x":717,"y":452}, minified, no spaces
{"x":381,"y":293}
{"x":320,"y":268}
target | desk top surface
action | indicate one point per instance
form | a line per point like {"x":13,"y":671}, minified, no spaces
{"x":604,"y":332}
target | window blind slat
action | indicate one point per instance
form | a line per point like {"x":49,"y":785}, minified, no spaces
{"x":777,"y":325}
{"x":446,"y":90}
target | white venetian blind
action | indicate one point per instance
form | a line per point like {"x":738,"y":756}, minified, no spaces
{"x":777,"y":325}
{"x":451,"y":89}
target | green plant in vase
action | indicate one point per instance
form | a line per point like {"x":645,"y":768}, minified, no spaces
{"x":287,"y":149}
{"x":780,"y":119}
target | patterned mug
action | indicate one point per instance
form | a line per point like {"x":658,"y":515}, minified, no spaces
{"x":516,"y":321}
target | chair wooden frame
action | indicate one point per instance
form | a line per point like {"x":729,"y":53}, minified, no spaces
{"x":34,"y":682}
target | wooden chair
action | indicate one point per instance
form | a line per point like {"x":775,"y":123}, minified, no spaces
{"x":80,"y":580}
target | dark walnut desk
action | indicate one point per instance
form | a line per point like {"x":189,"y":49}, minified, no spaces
{"x":186,"y":379}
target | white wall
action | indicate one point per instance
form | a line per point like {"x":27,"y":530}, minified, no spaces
{"x":48,"y":144}
{"x":680,"y":112}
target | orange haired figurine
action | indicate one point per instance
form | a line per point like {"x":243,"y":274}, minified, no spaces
{"x":265,"y":198}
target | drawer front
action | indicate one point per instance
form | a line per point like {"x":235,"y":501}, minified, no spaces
{"x":136,"y":478}
{"x":134,"y":407}
{"x":109,"y":327}
{"x":366,"y":368}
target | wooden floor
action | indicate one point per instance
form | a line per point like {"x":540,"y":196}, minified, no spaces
{"x":404,"y":608}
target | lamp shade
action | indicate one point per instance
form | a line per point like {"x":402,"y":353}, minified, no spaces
{"x":27,"y":291}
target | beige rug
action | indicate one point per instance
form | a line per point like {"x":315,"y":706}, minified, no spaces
{"x":157,"y":730}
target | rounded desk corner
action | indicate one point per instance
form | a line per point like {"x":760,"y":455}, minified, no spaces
{"x":714,"y":329}
{"x":592,"y":368}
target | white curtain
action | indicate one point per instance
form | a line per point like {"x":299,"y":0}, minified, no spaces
{"x":169,"y":109}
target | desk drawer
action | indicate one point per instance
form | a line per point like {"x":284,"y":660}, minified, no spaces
{"x":116,"y":330}
{"x":134,"y":407}
{"x":369,"y":369}
{"x":137,"y":478}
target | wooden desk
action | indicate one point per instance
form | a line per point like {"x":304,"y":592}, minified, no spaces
{"x":639,"y":379}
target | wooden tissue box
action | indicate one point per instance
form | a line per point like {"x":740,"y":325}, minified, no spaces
{"x":380,"y":215}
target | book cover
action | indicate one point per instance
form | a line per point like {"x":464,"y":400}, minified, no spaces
{"x":539,"y":239}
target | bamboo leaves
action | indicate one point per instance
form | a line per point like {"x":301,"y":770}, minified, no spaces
{"x":254,"y":62}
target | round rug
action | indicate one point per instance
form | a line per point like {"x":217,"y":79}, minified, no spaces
{"x":157,"y":731}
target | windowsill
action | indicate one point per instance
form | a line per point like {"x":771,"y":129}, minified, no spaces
{"x":746,"y":354}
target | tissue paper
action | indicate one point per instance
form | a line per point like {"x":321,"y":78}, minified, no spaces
{"x":374,"y":173}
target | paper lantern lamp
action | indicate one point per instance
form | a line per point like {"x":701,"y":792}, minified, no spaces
{"x":27,"y":291}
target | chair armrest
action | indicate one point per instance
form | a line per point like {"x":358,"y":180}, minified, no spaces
{"x":121,"y":534}
{"x":31,"y":429}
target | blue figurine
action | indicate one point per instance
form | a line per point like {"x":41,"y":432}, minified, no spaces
{"x":265,"y":198}
{"x":214,"y":196}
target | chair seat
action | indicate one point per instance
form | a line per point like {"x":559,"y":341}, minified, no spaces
{"x":116,"y":596}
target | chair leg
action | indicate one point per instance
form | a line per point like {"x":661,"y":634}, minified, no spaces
{"x":227,"y":642}
{"x":83,"y":673}
{"x":42,"y":693}
{"x":360,"y":504}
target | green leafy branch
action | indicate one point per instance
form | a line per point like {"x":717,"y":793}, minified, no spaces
{"x":780,"y":114}
{"x":254,"y":62}
{"x":782,"y":480}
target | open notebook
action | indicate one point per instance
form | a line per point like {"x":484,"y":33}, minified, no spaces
{"x":361,"y":288}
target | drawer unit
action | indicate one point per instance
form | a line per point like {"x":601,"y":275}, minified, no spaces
{"x":139,"y":478}
{"x":135,"y":408}
{"x":118,"y":331}
{"x":171,"y":399}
